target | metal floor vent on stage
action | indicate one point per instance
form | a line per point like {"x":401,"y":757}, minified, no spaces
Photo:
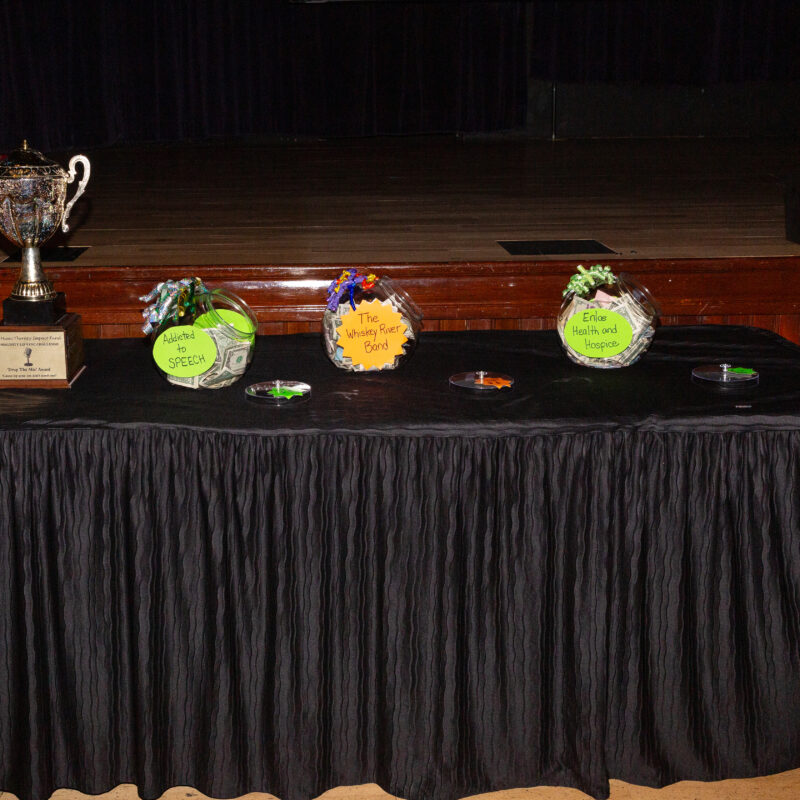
{"x":51,"y":254}
{"x":555,"y":247}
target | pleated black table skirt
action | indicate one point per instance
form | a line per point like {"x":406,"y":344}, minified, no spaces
{"x":596,"y":575}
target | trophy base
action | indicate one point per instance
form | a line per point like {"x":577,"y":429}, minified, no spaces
{"x":34,"y":312}
{"x":41,"y":356}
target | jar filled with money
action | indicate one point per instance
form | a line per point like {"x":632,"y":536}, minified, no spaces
{"x":606,"y":321}
{"x":370,"y":323}
{"x":202,"y":338}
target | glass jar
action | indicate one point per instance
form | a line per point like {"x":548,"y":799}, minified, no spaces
{"x":609,"y":327}
{"x":229,"y":323}
{"x":375,"y":328}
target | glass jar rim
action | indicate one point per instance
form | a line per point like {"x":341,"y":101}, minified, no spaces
{"x":238,"y":305}
{"x":410,"y":308}
{"x":640,"y":293}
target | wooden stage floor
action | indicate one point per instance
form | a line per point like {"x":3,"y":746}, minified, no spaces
{"x":284,"y":211}
{"x":431,"y":199}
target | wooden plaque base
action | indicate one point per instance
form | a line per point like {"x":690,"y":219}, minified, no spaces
{"x":41,"y":356}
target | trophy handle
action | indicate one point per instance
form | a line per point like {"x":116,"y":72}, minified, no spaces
{"x":87,"y":171}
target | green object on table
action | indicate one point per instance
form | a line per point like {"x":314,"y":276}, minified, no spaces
{"x":284,"y":392}
{"x":742,"y":370}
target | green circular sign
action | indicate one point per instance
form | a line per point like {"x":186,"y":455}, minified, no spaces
{"x":598,"y":333}
{"x":184,"y":351}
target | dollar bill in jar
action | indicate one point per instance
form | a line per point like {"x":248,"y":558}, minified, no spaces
{"x":227,"y":321}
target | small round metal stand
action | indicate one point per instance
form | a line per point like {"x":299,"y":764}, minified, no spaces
{"x":482,"y":381}
{"x":726,"y":376}
{"x":278,"y":393}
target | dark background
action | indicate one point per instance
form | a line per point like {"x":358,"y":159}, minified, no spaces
{"x":94,"y":72}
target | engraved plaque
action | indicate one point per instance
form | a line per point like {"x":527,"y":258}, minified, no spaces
{"x":41,"y":356}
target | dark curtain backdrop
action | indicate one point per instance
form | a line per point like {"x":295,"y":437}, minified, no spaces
{"x":87,"y":72}
{"x":152,"y":70}
{"x":696,"y":42}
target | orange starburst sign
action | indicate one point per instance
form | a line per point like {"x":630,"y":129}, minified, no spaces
{"x":372,"y":334}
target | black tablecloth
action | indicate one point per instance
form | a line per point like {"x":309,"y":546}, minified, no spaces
{"x":595,"y":575}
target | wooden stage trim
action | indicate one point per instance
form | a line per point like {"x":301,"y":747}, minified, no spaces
{"x":516,"y":295}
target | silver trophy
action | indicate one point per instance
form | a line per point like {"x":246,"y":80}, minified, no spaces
{"x":33,"y":203}
{"x":33,"y":193}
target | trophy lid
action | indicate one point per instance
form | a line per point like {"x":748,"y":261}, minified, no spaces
{"x":25,"y":162}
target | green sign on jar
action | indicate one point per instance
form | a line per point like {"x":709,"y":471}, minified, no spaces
{"x":184,"y":351}
{"x":598,"y":333}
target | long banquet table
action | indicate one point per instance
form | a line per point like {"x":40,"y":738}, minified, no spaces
{"x":594,"y":575}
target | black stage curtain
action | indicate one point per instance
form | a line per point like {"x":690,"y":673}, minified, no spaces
{"x":100,"y":72}
{"x":664,"y":41}
{"x":596,"y":575}
{"x":88,"y":72}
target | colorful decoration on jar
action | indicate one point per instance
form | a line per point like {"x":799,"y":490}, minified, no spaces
{"x":369,"y":324}
{"x":347,"y":283}
{"x":606,"y":321}
{"x":202,"y":338}
{"x":170,"y":300}
{"x":584,"y":280}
